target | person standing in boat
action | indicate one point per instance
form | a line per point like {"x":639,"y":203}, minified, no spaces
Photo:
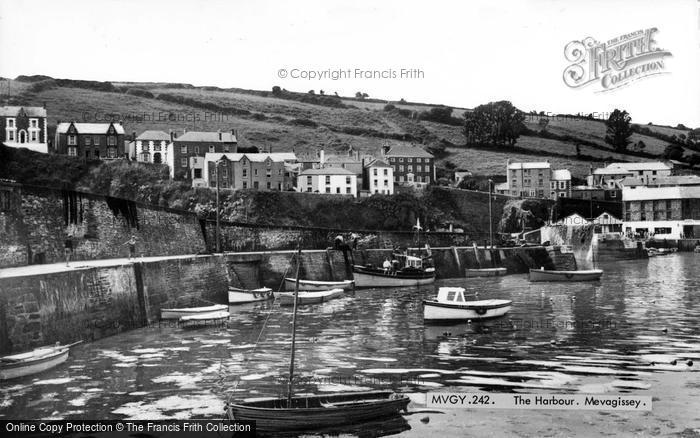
{"x":387,"y":266}
{"x":132,"y":247}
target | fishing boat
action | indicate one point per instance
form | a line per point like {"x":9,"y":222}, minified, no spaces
{"x":311,"y":285}
{"x":485,"y":272}
{"x":240,"y":296}
{"x":548,"y":275}
{"x":35,"y":361}
{"x":408,"y":271}
{"x":189,"y":311}
{"x":452,"y":306}
{"x":314,"y":412}
{"x":309,"y":297}
{"x":218,"y":317}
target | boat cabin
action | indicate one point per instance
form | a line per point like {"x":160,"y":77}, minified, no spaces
{"x":451,"y":295}
{"x":414,"y":262}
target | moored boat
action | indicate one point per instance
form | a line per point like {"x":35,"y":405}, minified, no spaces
{"x":217,"y":317}
{"x":240,"y":296}
{"x":35,"y":361}
{"x":189,"y":311}
{"x":485,"y":272}
{"x":311,"y":285}
{"x":548,"y":275}
{"x":318,"y":411}
{"x":409,"y":273}
{"x":309,"y":297}
{"x":452,"y":306}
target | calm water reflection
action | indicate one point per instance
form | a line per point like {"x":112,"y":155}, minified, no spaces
{"x":614,"y":336}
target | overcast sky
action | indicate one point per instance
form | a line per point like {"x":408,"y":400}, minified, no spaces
{"x":469,"y":52}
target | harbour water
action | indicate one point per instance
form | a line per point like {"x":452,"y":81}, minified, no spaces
{"x":628,"y":334}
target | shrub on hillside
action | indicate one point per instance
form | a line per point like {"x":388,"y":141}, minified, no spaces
{"x":140,"y":92}
{"x":32,"y":78}
{"x":40,"y":86}
{"x":303,"y":122}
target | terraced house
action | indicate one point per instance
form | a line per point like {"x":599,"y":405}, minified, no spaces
{"x":190,"y":148}
{"x":412,"y":165}
{"x":259,"y":171}
{"x":24,"y":127}
{"x":535,"y":180}
{"x":92,"y":141}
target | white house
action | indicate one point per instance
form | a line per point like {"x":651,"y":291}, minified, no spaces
{"x":151,"y":147}
{"x":378,"y":177}
{"x":332,"y":180}
{"x":607,"y":223}
{"x":648,"y":172}
{"x":24,"y":127}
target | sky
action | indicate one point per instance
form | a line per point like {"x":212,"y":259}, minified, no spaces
{"x":462,"y":53}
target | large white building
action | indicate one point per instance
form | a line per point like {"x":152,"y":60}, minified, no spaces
{"x":667,"y":209}
{"x":378,"y":178}
{"x":330,"y":180}
{"x":613,"y":173}
{"x":152,"y":147}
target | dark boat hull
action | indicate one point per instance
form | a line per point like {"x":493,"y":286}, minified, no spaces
{"x":377,"y":277}
{"x":321,"y":411}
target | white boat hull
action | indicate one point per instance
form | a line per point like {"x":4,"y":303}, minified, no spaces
{"x":309,"y":297}
{"x":369,"y":280}
{"x":179,"y":313}
{"x":313,"y":285}
{"x":485,"y":272}
{"x":544,"y":275}
{"x":211,"y":317}
{"x":33,"y":366}
{"x":240,"y":296}
{"x":436,"y":311}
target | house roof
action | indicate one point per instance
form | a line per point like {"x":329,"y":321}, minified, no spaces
{"x":561,"y":175}
{"x":501,"y":186}
{"x":31,"y":111}
{"x":530,"y":165}
{"x":657,"y":193}
{"x":308,"y":157}
{"x":341,"y":159}
{"x":664,"y":181}
{"x":612,"y":170}
{"x":207,"y":137}
{"x":408,"y":151}
{"x":327,"y":171}
{"x":254,"y":157}
{"x":90,"y":128}
{"x":606,"y":219}
{"x":377,"y":163}
{"x":645,"y":165}
{"x":154,"y":135}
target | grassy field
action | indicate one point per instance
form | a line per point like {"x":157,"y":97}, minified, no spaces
{"x":273,"y":123}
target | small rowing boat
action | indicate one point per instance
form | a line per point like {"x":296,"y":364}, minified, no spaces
{"x":240,"y":296}
{"x":218,"y":317}
{"x":318,"y":411}
{"x":311,"y":285}
{"x":309,"y":297}
{"x":547,"y":275}
{"x":189,"y":311}
{"x":35,"y":361}
{"x":485,"y":272}
{"x":451,"y":306}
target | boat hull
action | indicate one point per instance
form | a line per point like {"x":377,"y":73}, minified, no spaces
{"x":204,"y":318}
{"x":544,"y":275}
{"x":240,"y":296}
{"x":365,"y":277}
{"x":436,"y":311}
{"x":179,"y":313}
{"x":312,"y":285}
{"x":15,"y":370}
{"x":309,"y":297}
{"x":485,"y":272}
{"x":323,"y":411}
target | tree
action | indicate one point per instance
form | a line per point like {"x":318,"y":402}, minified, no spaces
{"x":673,"y":152}
{"x":693,"y":159}
{"x":543,"y":122}
{"x":618,"y":130}
{"x":276,"y":90}
{"x":359,"y":95}
{"x":640,"y":146}
{"x":495,"y":123}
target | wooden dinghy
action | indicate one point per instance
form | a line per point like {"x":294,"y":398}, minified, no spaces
{"x":318,"y":411}
{"x":204,"y":318}
{"x":309,"y":297}
{"x":485,"y":272}
{"x":452,"y":306}
{"x":189,"y":311}
{"x":312,"y":285}
{"x":547,"y":275}
{"x":35,"y":361}
{"x":240,"y":296}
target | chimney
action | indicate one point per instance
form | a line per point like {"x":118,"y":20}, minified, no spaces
{"x":385,"y":149}
{"x":322,"y":157}
{"x":133,"y":135}
{"x":219,"y":132}
{"x":184,"y":131}
{"x":233,"y":132}
{"x":44,"y":104}
{"x":170,"y":131}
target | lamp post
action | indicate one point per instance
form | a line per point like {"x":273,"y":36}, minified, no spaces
{"x":218,"y":215}
{"x":490,"y":217}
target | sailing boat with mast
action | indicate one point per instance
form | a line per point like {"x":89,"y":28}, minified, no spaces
{"x":317,"y":411}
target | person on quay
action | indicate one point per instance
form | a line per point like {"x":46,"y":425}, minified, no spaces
{"x":132,"y":247}
{"x":68,"y":249}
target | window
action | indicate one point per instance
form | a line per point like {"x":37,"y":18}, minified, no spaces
{"x":33,"y":136}
{"x":418,"y":160}
{"x":562,"y":185}
{"x":255,"y":172}
{"x":410,"y":160}
{"x":400,"y":160}
{"x":10,"y":123}
{"x":183,"y":162}
{"x":256,"y":185}
{"x":183,"y":149}
{"x":374,"y":172}
{"x":328,"y":189}
{"x":410,"y":168}
{"x":562,"y":194}
{"x":97,"y":153}
{"x":419,"y":168}
{"x":111,"y":140}
{"x":224,"y":172}
{"x":88,"y":140}
{"x":348,"y":190}
{"x":156,"y":146}
{"x":196,"y":150}
{"x":386,"y":172}
{"x":245,"y":185}
{"x":10,"y":135}
{"x":386,"y":183}
{"x":533,"y":193}
{"x":376,"y":183}
{"x":308,"y":189}
{"x":212,"y":149}
{"x":269,"y":185}
{"x":552,"y":184}
{"x":308,"y":180}
{"x":198,"y":174}
{"x":33,"y":123}
{"x":227,"y":148}
{"x":268,"y":173}
{"x":244,"y":173}
{"x":96,"y":140}
{"x":72,"y":151}
{"x":337,"y":189}
{"x":662,"y":230}
{"x":400,"y":168}
{"x":613,"y":194}
{"x":540,"y":182}
{"x":348,"y":180}
{"x":328,"y":179}
{"x":72,"y":140}
{"x":400,"y":179}
{"x":112,"y":152}
{"x":269,"y":163}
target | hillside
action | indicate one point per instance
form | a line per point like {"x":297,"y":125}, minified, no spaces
{"x":295,"y":121}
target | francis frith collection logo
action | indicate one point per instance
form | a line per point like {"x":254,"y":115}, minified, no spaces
{"x":614,"y":63}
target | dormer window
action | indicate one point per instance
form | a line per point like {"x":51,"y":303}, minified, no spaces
{"x":10,"y":123}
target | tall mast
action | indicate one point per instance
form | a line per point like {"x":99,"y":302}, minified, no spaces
{"x":294,"y":330}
